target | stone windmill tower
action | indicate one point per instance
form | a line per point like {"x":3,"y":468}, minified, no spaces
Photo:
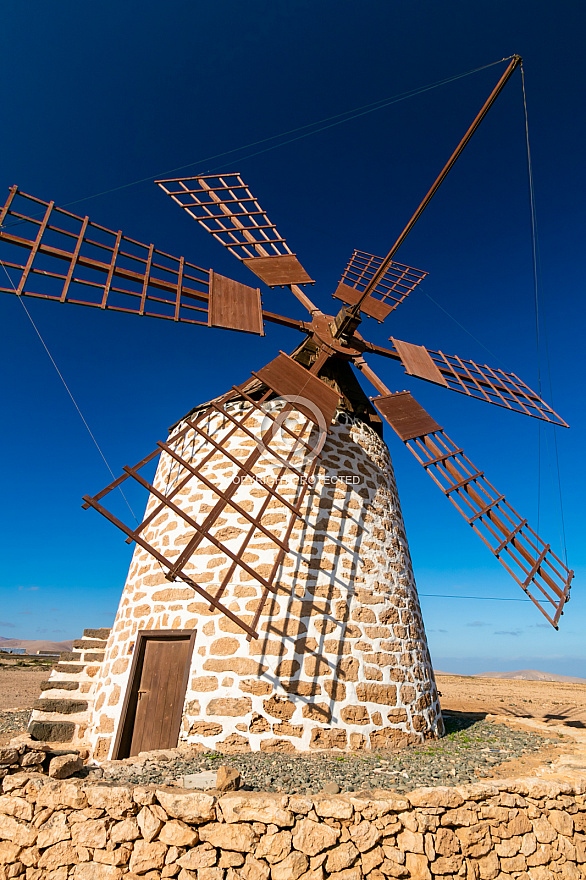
{"x":270,"y":603}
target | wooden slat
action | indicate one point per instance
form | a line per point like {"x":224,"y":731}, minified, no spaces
{"x":278,"y":271}
{"x":536,"y":565}
{"x":417,"y":362}
{"x":289,"y":379}
{"x":374,"y":308}
{"x":111,"y":270}
{"x":34,"y":249}
{"x":469,"y":478}
{"x":74,"y":258}
{"x":234,"y":306}
{"x":484,"y":510}
{"x":6,"y":207}
{"x":405,"y":415}
{"x":145,"y":284}
{"x":510,"y":537}
{"x":179,"y":289}
{"x":443,"y":457}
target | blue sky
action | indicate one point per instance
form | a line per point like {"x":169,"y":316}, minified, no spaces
{"x":95,"y":97}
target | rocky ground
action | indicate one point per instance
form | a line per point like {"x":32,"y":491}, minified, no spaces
{"x":20,"y":686}
{"x":472,"y":750}
{"x":476,"y":745}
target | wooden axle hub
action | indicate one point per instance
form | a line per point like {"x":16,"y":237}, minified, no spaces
{"x":323,"y":331}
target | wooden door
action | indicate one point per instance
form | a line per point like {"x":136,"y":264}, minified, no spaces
{"x":153,"y":709}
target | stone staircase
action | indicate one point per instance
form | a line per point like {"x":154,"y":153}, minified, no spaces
{"x":63,"y":711}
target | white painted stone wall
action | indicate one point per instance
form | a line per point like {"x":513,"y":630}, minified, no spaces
{"x":342,"y":659}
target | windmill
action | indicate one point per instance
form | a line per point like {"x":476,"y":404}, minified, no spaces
{"x":272,"y":551}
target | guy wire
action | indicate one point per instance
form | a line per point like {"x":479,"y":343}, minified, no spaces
{"x":67,"y":388}
{"x":349,"y":114}
{"x":536,"y":276}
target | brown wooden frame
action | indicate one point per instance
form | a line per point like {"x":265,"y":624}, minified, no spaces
{"x":202,"y":531}
{"x":527,"y":558}
{"x":89,"y":265}
{"x":394,"y":286}
{"x":123,"y":732}
{"x":224,"y":206}
{"x":482,"y":382}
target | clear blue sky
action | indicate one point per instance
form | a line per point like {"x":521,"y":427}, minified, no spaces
{"x":96,"y":96}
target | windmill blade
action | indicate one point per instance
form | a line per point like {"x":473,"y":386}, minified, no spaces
{"x":528,"y":559}
{"x":81,"y":262}
{"x":235,"y":458}
{"x":393,"y":287}
{"x":226,"y":208}
{"x":467,"y":377}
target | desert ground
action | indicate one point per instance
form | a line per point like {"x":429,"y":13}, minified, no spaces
{"x":557,"y":704}
{"x":20,"y":686}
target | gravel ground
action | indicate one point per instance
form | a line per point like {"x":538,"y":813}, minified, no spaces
{"x":469,"y":751}
{"x":12,"y":722}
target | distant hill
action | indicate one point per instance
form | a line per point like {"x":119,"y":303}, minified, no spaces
{"x":31,"y":646}
{"x":522,"y":675}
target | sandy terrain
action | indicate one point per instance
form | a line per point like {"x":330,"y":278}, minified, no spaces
{"x":555,"y":703}
{"x":20,"y":685}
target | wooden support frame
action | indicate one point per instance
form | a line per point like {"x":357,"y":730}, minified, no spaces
{"x":180,"y":470}
{"x":224,"y":206}
{"x":481,"y":382}
{"x":527,"y":558}
{"x":74,"y":260}
{"x":393,"y":288}
{"x":492,"y":385}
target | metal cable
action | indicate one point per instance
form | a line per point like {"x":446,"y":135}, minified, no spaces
{"x":465,"y":329}
{"x":349,"y":114}
{"x":67,"y":388}
{"x":536,"y":277}
{"x":480,"y":598}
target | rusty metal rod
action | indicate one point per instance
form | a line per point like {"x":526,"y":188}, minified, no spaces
{"x":516,"y":60}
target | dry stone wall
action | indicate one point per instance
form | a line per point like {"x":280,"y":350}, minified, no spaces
{"x":526,"y":829}
{"x":342,"y":659}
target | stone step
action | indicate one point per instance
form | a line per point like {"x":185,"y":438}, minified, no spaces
{"x":84,"y":644}
{"x":55,"y":684}
{"x":97,"y":633}
{"x":63,"y":706}
{"x":52,"y":731}
{"x":58,"y":694}
{"x":72,"y":669}
{"x":92,"y":657}
{"x":59,"y":716}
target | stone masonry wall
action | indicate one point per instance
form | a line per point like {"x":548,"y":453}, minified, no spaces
{"x":64,"y":710}
{"x":525,"y":829}
{"x":342,"y":659}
